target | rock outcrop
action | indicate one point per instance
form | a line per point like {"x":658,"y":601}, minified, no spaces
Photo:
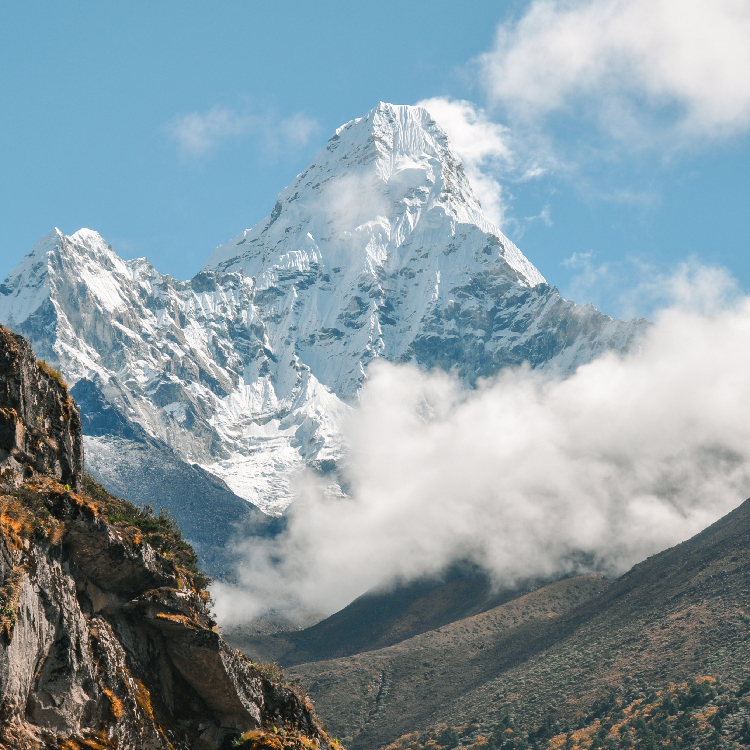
{"x":106,"y":637}
{"x":40,"y":427}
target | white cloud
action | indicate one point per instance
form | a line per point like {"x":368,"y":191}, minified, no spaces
{"x":527,"y":473}
{"x":485,"y":149}
{"x":626,"y":60}
{"x":703,"y":289}
{"x":298,"y":129}
{"x":482,"y":146}
{"x":474,"y":137}
{"x":198,"y":133}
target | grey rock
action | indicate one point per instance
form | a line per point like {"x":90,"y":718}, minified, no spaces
{"x":104,"y":641}
{"x":40,"y":426}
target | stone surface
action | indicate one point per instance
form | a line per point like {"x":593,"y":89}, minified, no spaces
{"x":40,"y":427}
{"x":106,"y":642}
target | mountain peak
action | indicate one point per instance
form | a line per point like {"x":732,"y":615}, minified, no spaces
{"x":382,"y":181}
{"x":379,"y":249}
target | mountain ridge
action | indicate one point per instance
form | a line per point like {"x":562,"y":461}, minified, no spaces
{"x":249,"y":369}
{"x":679,"y":615}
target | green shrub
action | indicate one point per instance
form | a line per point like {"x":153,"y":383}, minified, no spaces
{"x":160,"y":531}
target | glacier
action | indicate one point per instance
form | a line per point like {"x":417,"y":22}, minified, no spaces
{"x":248,"y":370}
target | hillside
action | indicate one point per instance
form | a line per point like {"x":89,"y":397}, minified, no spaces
{"x":106,"y":635}
{"x":382,"y":618}
{"x":679,"y":615}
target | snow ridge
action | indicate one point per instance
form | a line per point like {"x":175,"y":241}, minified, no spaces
{"x":378,"y":249}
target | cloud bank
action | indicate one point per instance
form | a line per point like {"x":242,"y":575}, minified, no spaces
{"x":528,"y":474}
{"x":626,"y":60}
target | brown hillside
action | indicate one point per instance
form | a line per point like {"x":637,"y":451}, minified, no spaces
{"x":400,"y":685}
{"x":679,"y":614}
{"x":382,"y":618}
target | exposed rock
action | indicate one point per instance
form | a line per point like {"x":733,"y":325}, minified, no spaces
{"x":105,"y":640}
{"x":40,"y":427}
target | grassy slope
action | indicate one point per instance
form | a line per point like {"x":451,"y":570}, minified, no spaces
{"x":381,"y":618}
{"x":680,"y":614}
{"x":387,"y":692}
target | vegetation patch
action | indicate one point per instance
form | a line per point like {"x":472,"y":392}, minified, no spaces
{"x":159,"y":531}
{"x":278,"y":739}
{"x":51,"y":372}
{"x":700,"y":713}
{"x":272,"y":671}
{"x":29,"y":512}
{"x":10,"y":593}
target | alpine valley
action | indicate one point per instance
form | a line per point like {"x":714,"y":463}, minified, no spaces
{"x":209,"y":395}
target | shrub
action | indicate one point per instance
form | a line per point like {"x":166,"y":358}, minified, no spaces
{"x":51,"y":372}
{"x":160,"y":531}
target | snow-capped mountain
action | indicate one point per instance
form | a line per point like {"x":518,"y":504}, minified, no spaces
{"x":378,"y":249}
{"x":186,"y":361}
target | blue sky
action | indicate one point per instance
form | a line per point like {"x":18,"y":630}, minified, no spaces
{"x":610,"y":136}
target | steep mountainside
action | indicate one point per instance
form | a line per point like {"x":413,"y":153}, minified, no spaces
{"x":382,"y":618}
{"x":379,"y":249}
{"x":534,"y":671}
{"x":106,"y":640}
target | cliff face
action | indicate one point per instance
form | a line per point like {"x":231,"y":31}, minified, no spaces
{"x":40,"y":427}
{"x":106,"y":640}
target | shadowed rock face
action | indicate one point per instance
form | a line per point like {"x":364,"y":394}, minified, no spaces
{"x":40,"y":427}
{"x":106,"y":642}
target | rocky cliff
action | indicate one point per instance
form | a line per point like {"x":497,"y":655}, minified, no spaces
{"x":106,"y":637}
{"x":40,"y":427}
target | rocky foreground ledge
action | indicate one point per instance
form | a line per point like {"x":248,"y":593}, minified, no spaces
{"x":106,"y":637}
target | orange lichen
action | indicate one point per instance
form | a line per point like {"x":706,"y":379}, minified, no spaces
{"x":143,"y":698}
{"x":118,"y":708}
{"x":16,"y":521}
{"x":182,"y":619}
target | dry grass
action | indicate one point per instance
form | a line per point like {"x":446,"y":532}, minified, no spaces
{"x":10,"y":594}
{"x":51,"y":372}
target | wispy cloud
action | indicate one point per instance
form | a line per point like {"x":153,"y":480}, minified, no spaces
{"x":483,"y":146}
{"x":198,"y":133}
{"x":632,"y":65}
{"x":486,"y":149}
{"x":586,"y":277}
{"x":654,"y":77}
{"x":298,"y":129}
{"x":707,"y":290}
